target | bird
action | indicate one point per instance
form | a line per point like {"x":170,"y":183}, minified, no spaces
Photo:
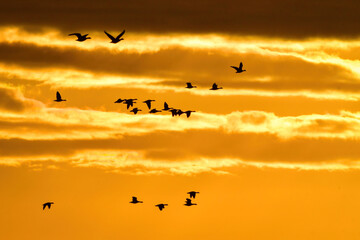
{"x":148,"y":103}
{"x":192,"y":194}
{"x":179,"y":112}
{"x":134,"y":200}
{"x":189,"y":203}
{"x":117,"y":39}
{"x":189,"y":85}
{"x":47,"y":204}
{"x":239,"y":69}
{"x":188,"y":113}
{"x":166,"y":107}
{"x":161,"y":206}
{"x":129,"y":102}
{"x":174,"y":112}
{"x":215,"y":87}
{"x":119,"y":100}
{"x":80,"y":38}
{"x":154,"y":110}
{"x":58,"y":98}
{"x":135,"y":110}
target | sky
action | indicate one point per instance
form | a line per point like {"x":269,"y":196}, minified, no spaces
{"x":274,"y":154}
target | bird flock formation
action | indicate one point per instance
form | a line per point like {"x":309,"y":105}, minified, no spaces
{"x":161,"y":206}
{"x":130,"y":103}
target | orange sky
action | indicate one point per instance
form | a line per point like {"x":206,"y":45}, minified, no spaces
{"x":274,"y":154}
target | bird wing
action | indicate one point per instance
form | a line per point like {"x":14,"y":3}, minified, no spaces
{"x":148,"y":103}
{"x":241,"y":65}
{"x":166,"y":106}
{"x":120,"y":35}
{"x":128,"y":104}
{"x":188,"y":113}
{"x":214,"y":85}
{"x":188,"y":201}
{"x":58,"y":96}
{"x":134,"y":199}
{"x":49,"y":205}
{"x":44,"y":206}
{"x":236,"y":68}
{"x":76,"y":34}
{"x":109,"y":35}
{"x":188,"y":84}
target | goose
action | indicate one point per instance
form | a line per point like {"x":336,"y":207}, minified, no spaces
{"x":134,"y":200}
{"x":189,"y":85}
{"x":47,"y":204}
{"x":192,"y":194}
{"x":148,"y":103}
{"x":117,"y":39}
{"x":215,"y":87}
{"x":58,"y":98}
{"x":80,"y":38}
{"x":166,"y":107}
{"x":154,"y":110}
{"x":119,"y":100}
{"x":239,"y":69}
{"x":189,"y":203}
{"x":135,"y":110}
{"x":129,"y":102}
{"x":161,"y":206}
{"x":188,"y":113}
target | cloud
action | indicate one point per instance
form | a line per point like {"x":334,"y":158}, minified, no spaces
{"x":12,"y":100}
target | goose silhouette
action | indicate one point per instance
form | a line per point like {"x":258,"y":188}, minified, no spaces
{"x":188,"y":113}
{"x":161,"y":206}
{"x":119,"y":100}
{"x":134,"y":200}
{"x":239,"y":69}
{"x":215,"y":87}
{"x":47,"y":204}
{"x":58,"y":98}
{"x":166,"y":107}
{"x":80,"y":38}
{"x":154,"y":110}
{"x":129,"y":102}
{"x":148,"y":103}
{"x":117,"y":39}
{"x":135,"y":110}
{"x":192,"y":194}
{"x":189,"y":203}
{"x":189,"y":85}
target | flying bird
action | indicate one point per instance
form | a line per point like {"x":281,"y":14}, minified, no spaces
{"x":189,"y":85}
{"x":148,"y":103}
{"x":189,"y":203}
{"x":161,"y":206}
{"x":135,"y":110}
{"x":215,"y":87}
{"x":58,"y":98}
{"x":129,"y":102}
{"x":134,"y":200}
{"x":192,"y":194}
{"x":166,"y":107}
{"x":119,"y":100}
{"x":154,"y":110}
{"x":47,"y":204}
{"x":80,"y":38}
{"x":188,"y":113}
{"x":239,"y":69}
{"x":117,"y":39}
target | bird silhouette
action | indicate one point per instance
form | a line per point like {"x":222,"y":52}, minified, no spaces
{"x":174,"y":112}
{"x":80,"y":38}
{"x":239,"y":69}
{"x":179,"y":112}
{"x":58,"y":98}
{"x":189,"y":203}
{"x":161,"y":206}
{"x":189,"y":85}
{"x":148,"y":103}
{"x":166,"y":107}
{"x":117,"y":39}
{"x":154,"y":110}
{"x":47,"y":204}
{"x":188,"y":113}
{"x":215,"y":87}
{"x":192,"y":194}
{"x":129,"y":102}
{"x":119,"y":100}
{"x":134,"y":200}
{"x":135,"y":110}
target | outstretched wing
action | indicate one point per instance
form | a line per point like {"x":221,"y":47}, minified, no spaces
{"x":44,"y":206}
{"x":76,"y":34}
{"x":188,"y":84}
{"x":166,"y":106}
{"x":188,"y":113}
{"x":148,"y":103}
{"x":236,"y":68}
{"x":120,"y":35}
{"x":241,"y":65}
{"x":188,"y":201}
{"x":214,"y":85}
{"x":134,"y":199}
{"x":109,"y":35}
{"x":58,"y":96}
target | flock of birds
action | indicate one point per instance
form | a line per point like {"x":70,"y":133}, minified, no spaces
{"x":161,"y":206}
{"x":130,"y":103}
